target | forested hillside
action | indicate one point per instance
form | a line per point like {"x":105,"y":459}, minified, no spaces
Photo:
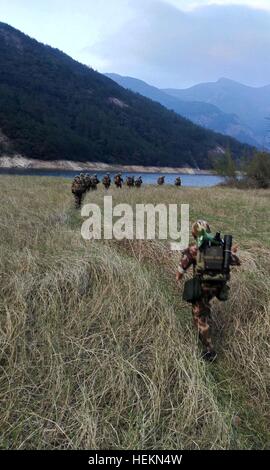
{"x":52,"y":107}
{"x":202,"y":113}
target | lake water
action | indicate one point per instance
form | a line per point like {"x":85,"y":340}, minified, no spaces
{"x":148,"y":178}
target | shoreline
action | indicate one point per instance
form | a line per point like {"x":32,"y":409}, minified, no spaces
{"x":19,"y":162}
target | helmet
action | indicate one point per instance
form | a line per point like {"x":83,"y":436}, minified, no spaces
{"x":200,"y":227}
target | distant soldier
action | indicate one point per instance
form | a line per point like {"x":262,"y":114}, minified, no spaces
{"x":130,"y":181}
{"x":161,"y":180}
{"x":78,"y":190}
{"x":138,"y":182}
{"x":87,"y":180}
{"x":94,"y":182}
{"x":83,"y":182}
{"x":106,"y":181}
{"x":178,"y":181}
{"x":118,"y":180}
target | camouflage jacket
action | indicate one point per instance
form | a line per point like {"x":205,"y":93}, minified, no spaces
{"x":118,"y":179}
{"x":106,"y":180}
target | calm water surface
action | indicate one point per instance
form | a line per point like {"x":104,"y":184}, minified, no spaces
{"x":148,"y":178}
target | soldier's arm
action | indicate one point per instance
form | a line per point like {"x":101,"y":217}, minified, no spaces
{"x":185,"y":262}
{"x":235,"y":261}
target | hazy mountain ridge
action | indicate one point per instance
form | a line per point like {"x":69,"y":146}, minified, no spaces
{"x":54,"y":108}
{"x":250,"y":104}
{"x":203,"y":113}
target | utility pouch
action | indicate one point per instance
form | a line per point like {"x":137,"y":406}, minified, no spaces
{"x":223,"y":294}
{"x":192,"y":290}
{"x":213,"y":259}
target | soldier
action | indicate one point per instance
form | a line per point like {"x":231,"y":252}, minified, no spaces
{"x":130,"y":181}
{"x":87,"y":180}
{"x":178,"y":181}
{"x":211,"y":258}
{"x":161,"y":180}
{"x":94,"y":182}
{"x":118,"y":180}
{"x":138,"y":182}
{"x":106,"y":181}
{"x":78,"y":189}
{"x":83,"y":181}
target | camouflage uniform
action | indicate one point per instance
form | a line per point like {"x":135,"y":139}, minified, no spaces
{"x":94,"y":182}
{"x":87,"y":180}
{"x":138,"y":182}
{"x":161,"y":180}
{"x":78,"y":189}
{"x":201,"y":309}
{"x":106,"y":181}
{"x":118,"y":180}
{"x":130,"y":181}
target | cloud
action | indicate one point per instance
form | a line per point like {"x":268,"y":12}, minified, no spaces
{"x":188,"y":5}
{"x":167,"y":46}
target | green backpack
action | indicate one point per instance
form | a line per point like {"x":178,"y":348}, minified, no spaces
{"x":210,"y":263}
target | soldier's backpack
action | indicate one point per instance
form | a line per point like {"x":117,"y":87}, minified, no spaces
{"x":214,"y":259}
{"x":138,"y":182}
{"x":212,"y":266}
{"x":87,"y":183}
{"x":77,"y":186}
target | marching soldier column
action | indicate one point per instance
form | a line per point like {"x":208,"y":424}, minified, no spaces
{"x":84,"y":182}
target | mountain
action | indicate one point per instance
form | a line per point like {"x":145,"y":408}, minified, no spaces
{"x":52,"y":107}
{"x":204,"y":114}
{"x":251,"y":105}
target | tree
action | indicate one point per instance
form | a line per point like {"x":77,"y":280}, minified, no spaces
{"x":225,"y":166}
{"x":258,"y":170}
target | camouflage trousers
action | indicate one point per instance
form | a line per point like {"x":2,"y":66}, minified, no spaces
{"x":78,"y":196}
{"x":201,"y":311}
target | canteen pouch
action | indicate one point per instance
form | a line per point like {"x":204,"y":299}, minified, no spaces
{"x":192,"y":290}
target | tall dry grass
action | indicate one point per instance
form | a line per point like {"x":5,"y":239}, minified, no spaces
{"x":97,"y":347}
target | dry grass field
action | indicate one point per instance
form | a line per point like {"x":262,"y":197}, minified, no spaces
{"x":97,"y":348}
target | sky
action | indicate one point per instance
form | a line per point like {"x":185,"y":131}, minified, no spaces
{"x":168,"y":43}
